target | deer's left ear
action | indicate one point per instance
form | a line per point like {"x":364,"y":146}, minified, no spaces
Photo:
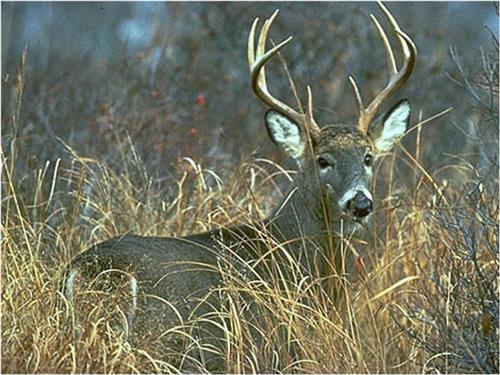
{"x":386,"y":133}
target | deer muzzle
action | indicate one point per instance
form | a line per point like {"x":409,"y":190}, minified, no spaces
{"x":359,"y":205}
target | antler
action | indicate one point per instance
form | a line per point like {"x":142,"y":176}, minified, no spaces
{"x":257,"y":58}
{"x":397,"y":78}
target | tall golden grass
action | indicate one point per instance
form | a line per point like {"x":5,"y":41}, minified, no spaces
{"x":384,"y":320}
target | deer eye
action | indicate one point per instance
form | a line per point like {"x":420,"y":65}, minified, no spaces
{"x":368,"y":160}
{"x":323,"y":163}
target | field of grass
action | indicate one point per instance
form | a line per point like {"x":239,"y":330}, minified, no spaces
{"x":422,"y":297}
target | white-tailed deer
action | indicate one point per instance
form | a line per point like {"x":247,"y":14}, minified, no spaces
{"x":333,"y":186}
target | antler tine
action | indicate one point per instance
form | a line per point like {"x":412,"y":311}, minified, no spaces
{"x":391,"y":61}
{"x":261,"y":47}
{"x":397,"y":77}
{"x":257,"y":58}
{"x":409,"y":48}
{"x":359,"y":100}
{"x":312,"y":125}
{"x":251,"y":43}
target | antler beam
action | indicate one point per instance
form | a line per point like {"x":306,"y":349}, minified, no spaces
{"x":257,"y":58}
{"x":397,"y":78}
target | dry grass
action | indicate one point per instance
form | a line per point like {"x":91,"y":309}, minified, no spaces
{"x":69,"y":209}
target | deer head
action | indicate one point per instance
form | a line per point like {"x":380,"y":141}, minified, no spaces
{"x":335,"y":161}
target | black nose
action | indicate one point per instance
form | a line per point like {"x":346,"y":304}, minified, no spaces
{"x":360,"y":206}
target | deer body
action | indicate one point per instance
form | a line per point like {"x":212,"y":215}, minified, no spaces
{"x":184,"y":269}
{"x":330,"y":194}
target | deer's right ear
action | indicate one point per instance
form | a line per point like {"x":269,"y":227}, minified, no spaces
{"x":285,"y":133}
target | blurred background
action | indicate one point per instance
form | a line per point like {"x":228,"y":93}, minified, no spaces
{"x":174,"y":78}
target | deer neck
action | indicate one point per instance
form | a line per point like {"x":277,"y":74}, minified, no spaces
{"x":304,"y":222}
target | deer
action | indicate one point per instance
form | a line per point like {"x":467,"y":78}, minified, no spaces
{"x":330,"y":192}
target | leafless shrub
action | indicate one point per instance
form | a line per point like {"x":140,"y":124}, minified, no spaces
{"x":457,"y":304}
